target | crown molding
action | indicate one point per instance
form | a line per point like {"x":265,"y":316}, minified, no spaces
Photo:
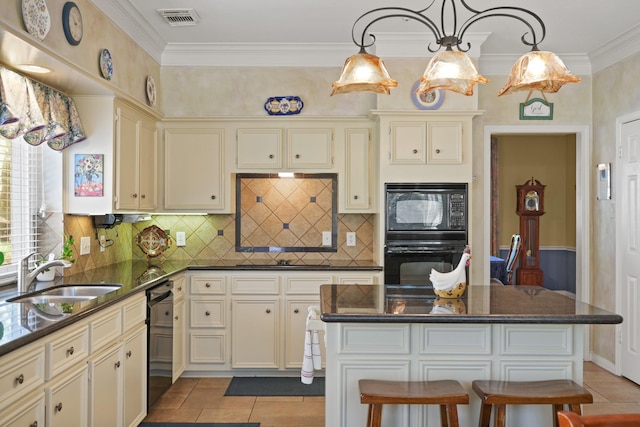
{"x":622,"y":47}
{"x":498,"y":65}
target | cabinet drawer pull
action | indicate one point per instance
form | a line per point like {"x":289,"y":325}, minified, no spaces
{"x":167,"y":313}
{"x":134,"y":195}
{"x":268,"y":310}
{"x":207,"y":285}
{"x":70,"y":351}
{"x":59,"y":407}
{"x":117,"y":364}
{"x":355,"y":197}
{"x":179,"y":288}
{"x":176,"y":317}
{"x":271,"y":156}
{"x":213,"y":197}
{"x":34,"y":424}
{"x":296,"y":311}
{"x":437,"y":151}
{"x":20,"y":379}
{"x":142,"y":196}
{"x":207,"y":313}
{"x":297,"y":156}
{"x":415,"y":151}
{"x":129,"y":354}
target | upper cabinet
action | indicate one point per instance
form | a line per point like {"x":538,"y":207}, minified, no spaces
{"x":305,"y":148}
{"x":194,"y":167}
{"x":115,"y":168}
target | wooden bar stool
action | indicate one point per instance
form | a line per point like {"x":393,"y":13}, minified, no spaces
{"x":501,"y":393}
{"x":446,"y":393}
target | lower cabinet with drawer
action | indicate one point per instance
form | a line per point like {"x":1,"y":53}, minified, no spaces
{"x":254,"y":320}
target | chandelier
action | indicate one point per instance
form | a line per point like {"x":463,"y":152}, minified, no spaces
{"x":452,"y":69}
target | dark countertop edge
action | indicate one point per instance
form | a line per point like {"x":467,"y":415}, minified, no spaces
{"x":486,"y":319}
{"x":285,"y":268}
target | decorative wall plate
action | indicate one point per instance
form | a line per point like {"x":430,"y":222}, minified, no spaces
{"x":431,"y":100}
{"x":36,"y":18}
{"x":106,"y":64}
{"x":151,"y":91}
{"x":153,"y":241}
{"x":283,"y":105}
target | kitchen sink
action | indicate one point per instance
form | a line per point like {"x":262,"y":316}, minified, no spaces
{"x":53,"y":299}
{"x":80,"y":290}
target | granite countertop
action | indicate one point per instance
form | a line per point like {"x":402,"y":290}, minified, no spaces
{"x":20,"y":325}
{"x":495,"y":303}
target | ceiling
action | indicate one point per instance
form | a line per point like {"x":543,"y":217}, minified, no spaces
{"x":318,"y":32}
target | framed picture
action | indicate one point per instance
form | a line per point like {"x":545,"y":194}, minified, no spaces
{"x":88,"y":175}
{"x":604,"y":181}
{"x":431,"y":100}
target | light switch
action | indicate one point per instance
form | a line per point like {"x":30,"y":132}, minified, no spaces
{"x":326,"y":238}
{"x":351,"y":238}
{"x":180,"y":238}
{"x":85,"y":245}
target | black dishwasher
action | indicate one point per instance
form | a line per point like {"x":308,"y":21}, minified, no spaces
{"x":159,"y":340}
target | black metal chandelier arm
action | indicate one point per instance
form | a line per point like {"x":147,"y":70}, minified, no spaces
{"x":398,"y":12}
{"x":508,"y":12}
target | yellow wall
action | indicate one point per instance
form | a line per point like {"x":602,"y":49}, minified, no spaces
{"x":550,"y":160}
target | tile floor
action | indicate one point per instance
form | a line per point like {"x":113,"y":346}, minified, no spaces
{"x":203,"y":400}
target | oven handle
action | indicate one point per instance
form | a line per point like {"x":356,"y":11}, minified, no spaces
{"x":409,"y":250}
{"x":159,"y":293}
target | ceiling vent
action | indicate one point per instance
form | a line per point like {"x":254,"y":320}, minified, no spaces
{"x":180,"y":17}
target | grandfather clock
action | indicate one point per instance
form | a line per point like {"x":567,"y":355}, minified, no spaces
{"x":530,"y":207}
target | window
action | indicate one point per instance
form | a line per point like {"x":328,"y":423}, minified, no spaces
{"x":20,"y":202}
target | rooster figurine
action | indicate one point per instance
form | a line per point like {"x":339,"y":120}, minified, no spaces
{"x":453,"y":283}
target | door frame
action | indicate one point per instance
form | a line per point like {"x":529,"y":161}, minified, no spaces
{"x":583,"y":192}
{"x":618,"y":230}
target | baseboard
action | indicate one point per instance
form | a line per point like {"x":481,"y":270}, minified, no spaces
{"x":604,"y":363}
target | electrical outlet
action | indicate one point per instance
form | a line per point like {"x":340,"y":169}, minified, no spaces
{"x":85,"y":245}
{"x":326,"y":238}
{"x":180,"y":238}
{"x":103,"y":242}
{"x":351,"y":238}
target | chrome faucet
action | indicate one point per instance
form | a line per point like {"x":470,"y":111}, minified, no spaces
{"x":26,"y":277}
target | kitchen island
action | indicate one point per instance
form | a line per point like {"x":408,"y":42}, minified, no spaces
{"x":401,"y":332}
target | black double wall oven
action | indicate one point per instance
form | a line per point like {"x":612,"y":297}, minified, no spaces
{"x":425,"y":227}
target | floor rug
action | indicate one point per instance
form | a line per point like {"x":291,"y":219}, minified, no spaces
{"x":274,"y":386}
{"x":199,"y":425}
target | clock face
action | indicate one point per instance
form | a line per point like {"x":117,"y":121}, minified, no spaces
{"x":72,"y":23}
{"x":532,"y":201}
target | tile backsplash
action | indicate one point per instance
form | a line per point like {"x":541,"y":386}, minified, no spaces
{"x":210,"y":237}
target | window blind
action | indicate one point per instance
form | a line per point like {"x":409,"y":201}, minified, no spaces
{"x":20,"y":202}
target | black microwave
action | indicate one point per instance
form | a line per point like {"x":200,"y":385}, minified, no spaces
{"x":425,"y":208}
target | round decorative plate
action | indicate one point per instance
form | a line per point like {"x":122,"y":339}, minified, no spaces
{"x":151,"y":91}
{"x":106,"y":64}
{"x":36,"y":18}
{"x":431,"y":100}
{"x":153,"y":241}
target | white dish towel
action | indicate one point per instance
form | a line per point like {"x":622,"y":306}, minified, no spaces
{"x":312,"y":358}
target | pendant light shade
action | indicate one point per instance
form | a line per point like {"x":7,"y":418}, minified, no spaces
{"x":363,"y":72}
{"x":538,"y":70}
{"x":450,"y":70}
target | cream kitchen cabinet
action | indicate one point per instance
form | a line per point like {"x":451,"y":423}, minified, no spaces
{"x":430,"y":142}
{"x":355,"y":185}
{"x":305,"y":148}
{"x":29,"y":412}
{"x":66,"y":399}
{"x":136,"y":144}
{"x":255,"y":333}
{"x":194,"y":167}
{"x":126,"y":138}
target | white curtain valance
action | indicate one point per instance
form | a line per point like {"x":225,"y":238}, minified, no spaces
{"x":37,"y":113}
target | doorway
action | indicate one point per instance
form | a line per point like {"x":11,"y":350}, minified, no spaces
{"x":583,"y":155}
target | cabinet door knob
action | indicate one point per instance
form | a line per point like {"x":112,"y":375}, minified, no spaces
{"x":296,"y":311}
{"x":268,"y":310}
{"x":355,"y":197}
{"x":129,"y":354}
{"x":20,"y":379}
{"x":176,"y":317}
{"x":207,"y":313}
{"x":134,"y":195}
{"x":58,"y":407}
{"x":70,"y":351}
{"x":167,"y":313}
{"x":271,"y":156}
{"x":34,"y":424}
{"x":207,"y":285}
{"x":117,"y":364}
{"x":437,"y":151}
{"x":179,"y":288}
{"x":213,"y":197}
{"x":297,"y":156}
{"x":142,"y":196}
{"x":415,"y":151}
